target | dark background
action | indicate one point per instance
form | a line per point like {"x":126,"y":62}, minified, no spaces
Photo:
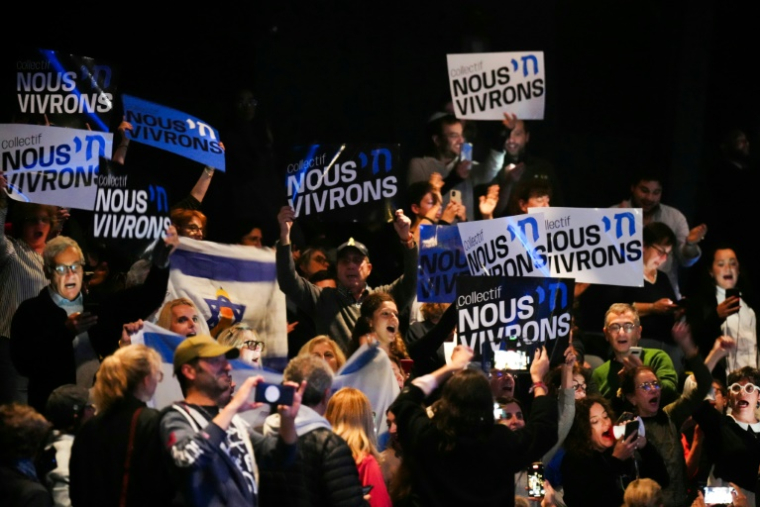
{"x":628,"y":83}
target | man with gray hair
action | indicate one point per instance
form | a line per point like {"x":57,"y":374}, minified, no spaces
{"x":330,"y":472}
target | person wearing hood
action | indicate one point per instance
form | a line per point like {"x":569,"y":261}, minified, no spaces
{"x":328,"y":466}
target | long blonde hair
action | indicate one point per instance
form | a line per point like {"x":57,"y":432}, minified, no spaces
{"x":121,"y":373}
{"x":350,"y":414}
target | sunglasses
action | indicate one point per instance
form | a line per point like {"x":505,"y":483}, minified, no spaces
{"x":736,"y":388}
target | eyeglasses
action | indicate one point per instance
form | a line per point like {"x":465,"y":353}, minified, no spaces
{"x":579,"y":387}
{"x":62,"y":269}
{"x":649,"y":386}
{"x":661,"y":251}
{"x":748,"y":388}
{"x":627,"y":327}
{"x":253,"y":345}
{"x":320,"y":259}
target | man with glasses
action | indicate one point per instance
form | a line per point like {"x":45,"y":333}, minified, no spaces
{"x":646,"y":192}
{"x":445,"y":159}
{"x":57,"y":336}
{"x":622,"y":329}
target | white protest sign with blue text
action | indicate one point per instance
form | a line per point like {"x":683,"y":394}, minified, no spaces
{"x":485,"y":85}
{"x":53,"y":165}
{"x":174,"y":131}
{"x":594,"y":245}
{"x":509,"y":246}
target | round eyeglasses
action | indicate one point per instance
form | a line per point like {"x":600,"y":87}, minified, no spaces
{"x":649,"y":386}
{"x":748,"y":388}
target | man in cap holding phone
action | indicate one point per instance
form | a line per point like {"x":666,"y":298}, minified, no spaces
{"x":217,"y":458}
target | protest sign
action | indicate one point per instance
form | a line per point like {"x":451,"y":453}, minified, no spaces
{"x":53,"y":165}
{"x":509,"y":246}
{"x":498,"y":314}
{"x":64,"y":90}
{"x":594,"y":245}
{"x":131,"y":210}
{"x":233,"y":283}
{"x":344,"y":183}
{"x":485,"y":85}
{"x":441,"y":260}
{"x":173,"y":131}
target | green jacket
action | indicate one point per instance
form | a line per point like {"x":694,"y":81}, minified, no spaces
{"x":608,"y":382}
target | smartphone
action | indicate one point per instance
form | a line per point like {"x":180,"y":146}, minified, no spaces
{"x":406,"y":365}
{"x":467,"y":152}
{"x":732,"y":293}
{"x":274,"y":394}
{"x":536,"y":480}
{"x":498,"y":412}
{"x":719,"y":495}
{"x":456,"y":196}
{"x":631,"y":428}
{"x":636,"y":351}
{"x":366,"y":490}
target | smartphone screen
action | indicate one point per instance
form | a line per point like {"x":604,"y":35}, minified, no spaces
{"x":467,"y":151}
{"x":719,"y":495}
{"x":536,"y":481}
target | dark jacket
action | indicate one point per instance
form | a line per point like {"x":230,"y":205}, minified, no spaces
{"x":98,"y":457}
{"x":477,"y":471}
{"x":41,"y":345}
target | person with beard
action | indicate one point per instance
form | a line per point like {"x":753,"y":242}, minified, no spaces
{"x":733,"y":441}
{"x":511,"y":163}
{"x":217,"y":459}
{"x":646,"y":192}
{"x":444,"y":159}
{"x":640,"y":386}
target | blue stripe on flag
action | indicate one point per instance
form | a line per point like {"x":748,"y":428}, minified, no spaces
{"x":360,"y":362}
{"x":222,"y":269}
{"x":164,"y":344}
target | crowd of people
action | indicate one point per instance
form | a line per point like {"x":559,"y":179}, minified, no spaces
{"x":657,"y":395}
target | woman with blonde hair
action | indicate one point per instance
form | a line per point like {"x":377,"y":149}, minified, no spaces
{"x":350,"y":414}
{"x":643,"y":493}
{"x":325,"y":347}
{"x":117,"y":455}
{"x":242,"y":337}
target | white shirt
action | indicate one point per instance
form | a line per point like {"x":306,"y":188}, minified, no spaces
{"x":742,"y":327}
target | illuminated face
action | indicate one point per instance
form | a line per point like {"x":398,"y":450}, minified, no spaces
{"x":429,"y":207}
{"x":725,"y":268}
{"x":353,"y":269}
{"x":647,"y":394}
{"x":253,"y":238}
{"x":35,"y":230}
{"x":502,"y":383}
{"x":67,"y":284}
{"x":627,"y":333}
{"x":326,"y":352}
{"x":601,"y":428}
{"x":656,"y":255}
{"x":535,"y":201}
{"x":517,"y":141}
{"x":579,"y":384}
{"x":193,"y":229}
{"x":450,"y":144}
{"x":213,"y":379}
{"x":513,"y":417}
{"x":385,"y":322}
{"x":742,"y":404}
{"x":646,"y":195}
{"x":184,"y":320}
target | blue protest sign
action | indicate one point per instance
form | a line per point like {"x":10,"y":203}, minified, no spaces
{"x":173,"y":131}
{"x":441,"y":260}
{"x":498,"y":313}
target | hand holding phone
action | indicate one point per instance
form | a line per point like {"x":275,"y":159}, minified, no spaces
{"x":274,"y":394}
{"x":536,"y":480}
{"x":466,"y":153}
{"x":455,"y":196}
{"x":719,"y":495}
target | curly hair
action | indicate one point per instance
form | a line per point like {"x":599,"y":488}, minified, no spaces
{"x":628,"y":380}
{"x":578,"y":441}
{"x":748,"y":372}
{"x":465,"y":409}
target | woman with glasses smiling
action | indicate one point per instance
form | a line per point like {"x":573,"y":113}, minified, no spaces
{"x":733,"y":441}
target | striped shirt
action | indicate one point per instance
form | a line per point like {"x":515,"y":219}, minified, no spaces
{"x":21,"y":275}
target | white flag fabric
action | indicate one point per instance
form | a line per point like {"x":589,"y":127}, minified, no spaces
{"x":233,"y":282}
